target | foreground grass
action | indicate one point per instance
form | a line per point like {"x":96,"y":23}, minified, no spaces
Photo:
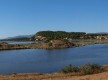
{"x":58,"y":76}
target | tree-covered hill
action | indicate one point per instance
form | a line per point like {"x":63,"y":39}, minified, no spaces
{"x":49,"y":35}
{"x":59,"y":35}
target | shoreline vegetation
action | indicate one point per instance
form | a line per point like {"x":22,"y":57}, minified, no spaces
{"x":88,"y":72}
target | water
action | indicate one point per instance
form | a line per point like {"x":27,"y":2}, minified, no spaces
{"x":22,"y":42}
{"x":48,"y":61}
{"x":19,"y":42}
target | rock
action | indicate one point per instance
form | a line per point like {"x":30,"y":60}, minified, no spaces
{"x":3,"y":43}
{"x":53,"y":44}
{"x":57,"y":43}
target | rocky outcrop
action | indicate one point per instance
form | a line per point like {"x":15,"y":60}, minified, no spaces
{"x":61,"y":44}
{"x":3,"y":43}
{"x":6,"y":46}
{"x":54,"y":44}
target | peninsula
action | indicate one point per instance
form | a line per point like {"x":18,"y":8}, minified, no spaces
{"x":56,"y":40}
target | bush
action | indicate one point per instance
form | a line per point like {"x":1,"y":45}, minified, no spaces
{"x":69,"y":69}
{"x":90,"y":69}
{"x":85,"y":69}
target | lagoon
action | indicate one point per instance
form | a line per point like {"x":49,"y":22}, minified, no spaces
{"x":20,"y":42}
{"x":49,"y":61}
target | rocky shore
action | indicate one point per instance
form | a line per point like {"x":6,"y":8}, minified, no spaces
{"x":6,"y":46}
{"x":54,"y":44}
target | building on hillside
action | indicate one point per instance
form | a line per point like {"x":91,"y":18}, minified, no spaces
{"x":40,"y":38}
{"x":101,"y":37}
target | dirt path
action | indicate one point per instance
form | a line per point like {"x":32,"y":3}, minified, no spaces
{"x":99,"y":76}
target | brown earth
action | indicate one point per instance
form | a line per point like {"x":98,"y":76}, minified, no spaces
{"x":6,"y":46}
{"x":49,"y":45}
{"x":57,"y":76}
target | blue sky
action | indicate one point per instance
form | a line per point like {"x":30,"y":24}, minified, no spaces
{"x":23,"y":17}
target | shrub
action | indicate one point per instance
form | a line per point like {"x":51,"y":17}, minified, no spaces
{"x":69,"y":69}
{"x":90,"y":69}
{"x":85,"y":69}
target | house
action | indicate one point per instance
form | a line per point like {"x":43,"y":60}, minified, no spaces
{"x":40,"y":38}
{"x":101,"y":37}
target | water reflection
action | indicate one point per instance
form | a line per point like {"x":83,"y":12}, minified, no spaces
{"x":48,"y":61}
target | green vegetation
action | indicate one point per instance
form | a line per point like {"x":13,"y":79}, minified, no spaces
{"x":62,"y":35}
{"x":70,"y":68}
{"x":90,"y":69}
{"x":85,"y":69}
{"x":59,"y":35}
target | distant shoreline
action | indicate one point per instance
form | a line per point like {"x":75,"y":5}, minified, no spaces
{"x":56,"y":44}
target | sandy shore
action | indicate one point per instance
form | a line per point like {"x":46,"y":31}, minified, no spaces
{"x":99,"y":76}
{"x":57,"y":76}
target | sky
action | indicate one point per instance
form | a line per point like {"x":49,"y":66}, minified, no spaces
{"x":24,"y":17}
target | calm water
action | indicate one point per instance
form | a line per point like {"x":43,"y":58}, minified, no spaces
{"x":48,"y":61}
{"x":20,"y":42}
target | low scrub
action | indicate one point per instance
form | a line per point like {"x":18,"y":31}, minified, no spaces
{"x":69,"y":69}
{"x":90,"y":69}
{"x":85,"y":69}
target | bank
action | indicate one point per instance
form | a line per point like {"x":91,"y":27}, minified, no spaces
{"x":56,"y":76}
{"x":53,"y":44}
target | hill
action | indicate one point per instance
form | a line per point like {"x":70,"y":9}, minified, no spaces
{"x":50,"y":35}
{"x":62,"y":35}
{"x":18,"y":38}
